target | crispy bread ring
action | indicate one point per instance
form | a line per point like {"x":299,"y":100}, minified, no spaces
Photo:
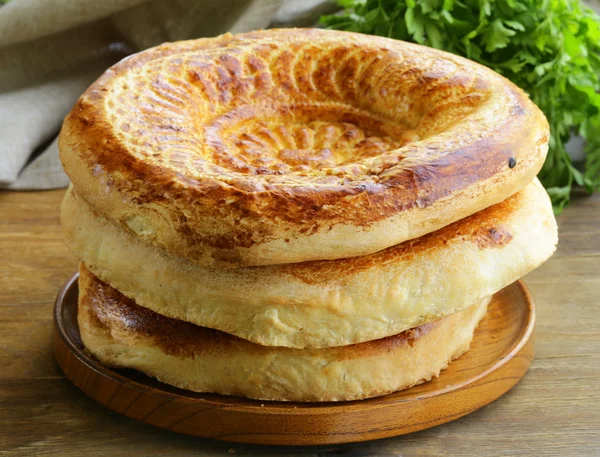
{"x":284,"y":146}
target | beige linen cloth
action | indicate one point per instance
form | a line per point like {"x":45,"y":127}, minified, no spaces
{"x":50,"y":51}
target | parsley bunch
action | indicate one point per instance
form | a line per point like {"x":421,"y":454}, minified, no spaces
{"x":549,"y":48}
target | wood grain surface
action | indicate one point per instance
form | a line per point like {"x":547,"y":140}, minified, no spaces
{"x":553,"y":411}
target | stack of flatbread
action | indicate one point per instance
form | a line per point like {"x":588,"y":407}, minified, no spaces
{"x":298,"y":214}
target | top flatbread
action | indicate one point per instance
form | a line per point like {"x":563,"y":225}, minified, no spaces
{"x":284,"y":146}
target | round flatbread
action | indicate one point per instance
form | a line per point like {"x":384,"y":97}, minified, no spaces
{"x":119,"y":333}
{"x":325,"y":303}
{"x":285,"y":146}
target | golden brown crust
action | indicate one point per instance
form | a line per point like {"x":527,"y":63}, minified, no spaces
{"x":486,"y":229}
{"x":111,"y":310}
{"x":269,"y":147}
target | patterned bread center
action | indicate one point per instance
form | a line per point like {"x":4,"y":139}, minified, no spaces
{"x":276,"y":146}
{"x":284,"y":108}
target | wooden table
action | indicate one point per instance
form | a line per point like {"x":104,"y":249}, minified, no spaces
{"x":554,"y":411}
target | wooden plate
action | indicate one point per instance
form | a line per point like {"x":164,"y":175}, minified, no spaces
{"x":500,"y":354}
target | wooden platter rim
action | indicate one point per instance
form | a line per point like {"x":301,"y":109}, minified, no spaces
{"x":287,"y":407}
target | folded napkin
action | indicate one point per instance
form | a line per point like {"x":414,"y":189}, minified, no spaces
{"x":51,"y":51}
